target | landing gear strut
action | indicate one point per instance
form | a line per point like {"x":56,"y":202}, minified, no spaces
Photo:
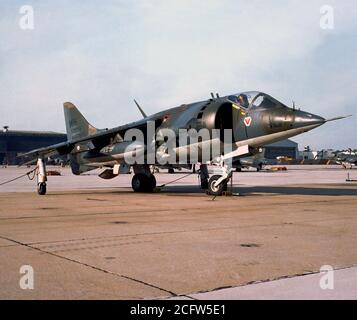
{"x":143,"y":180}
{"x":41,"y":177}
{"x":215,"y":188}
{"x":218,"y":183}
{"x":204,"y":176}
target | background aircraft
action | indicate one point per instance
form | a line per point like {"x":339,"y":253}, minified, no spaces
{"x":347,"y":158}
{"x":256,"y":161}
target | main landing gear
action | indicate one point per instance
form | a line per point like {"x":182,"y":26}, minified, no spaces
{"x":41,"y":177}
{"x":143,"y":180}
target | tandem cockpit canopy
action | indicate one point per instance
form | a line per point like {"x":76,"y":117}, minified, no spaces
{"x":243,"y":99}
{"x":254,"y":99}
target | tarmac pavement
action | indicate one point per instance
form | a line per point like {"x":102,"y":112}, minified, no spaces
{"x":94,"y":239}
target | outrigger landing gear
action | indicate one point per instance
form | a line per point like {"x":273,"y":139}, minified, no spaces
{"x":41,"y":177}
{"x":143,"y":180}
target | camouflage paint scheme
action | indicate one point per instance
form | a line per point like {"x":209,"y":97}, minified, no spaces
{"x":256,"y":119}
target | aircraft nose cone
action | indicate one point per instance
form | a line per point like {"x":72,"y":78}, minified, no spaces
{"x":303,"y":119}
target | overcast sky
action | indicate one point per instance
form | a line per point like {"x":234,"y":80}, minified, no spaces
{"x":102,"y":54}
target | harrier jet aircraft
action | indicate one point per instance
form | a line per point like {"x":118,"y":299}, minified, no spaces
{"x":256,"y":161}
{"x":238,"y":125}
{"x":348,"y":158}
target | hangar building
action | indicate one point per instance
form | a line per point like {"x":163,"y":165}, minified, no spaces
{"x":285,"y":148}
{"x":14,"y":143}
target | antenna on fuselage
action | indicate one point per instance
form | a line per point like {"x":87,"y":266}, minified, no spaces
{"x":141,"y":110}
{"x":212,"y":95}
{"x":217,"y":95}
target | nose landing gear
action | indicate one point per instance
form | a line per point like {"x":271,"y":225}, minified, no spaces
{"x":218,"y":183}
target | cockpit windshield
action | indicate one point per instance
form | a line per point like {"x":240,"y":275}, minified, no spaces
{"x":254,"y":99}
{"x":265,"y":101}
{"x":243,"y":99}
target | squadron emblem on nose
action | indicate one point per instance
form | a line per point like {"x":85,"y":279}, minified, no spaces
{"x":247,"y":121}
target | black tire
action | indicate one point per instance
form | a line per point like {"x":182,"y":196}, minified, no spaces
{"x":41,"y":189}
{"x":139,"y":182}
{"x":171,"y":170}
{"x":225,"y":186}
{"x":142,"y":183}
{"x":238,"y":169}
{"x":152,"y":180}
{"x":204,"y":184}
{"x":213,"y":190}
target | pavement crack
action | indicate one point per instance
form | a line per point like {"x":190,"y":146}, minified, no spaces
{"x":90,"y":266}
{"x":283,"y":277}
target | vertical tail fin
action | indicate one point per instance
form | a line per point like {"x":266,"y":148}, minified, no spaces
{"x":76,"y":125}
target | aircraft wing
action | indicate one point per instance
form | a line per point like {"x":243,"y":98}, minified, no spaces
{"x":98,"y":140}
{"x":55,"y":149}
